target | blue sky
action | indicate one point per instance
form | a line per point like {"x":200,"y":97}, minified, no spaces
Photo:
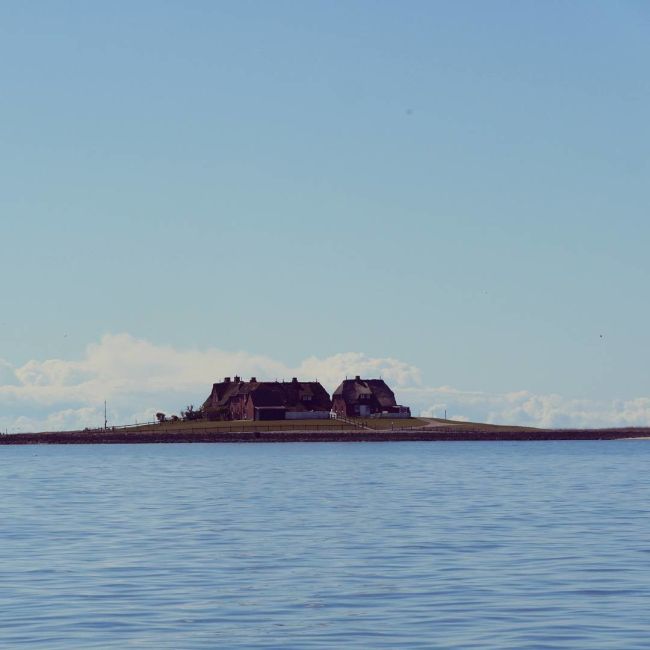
{"x":457,"y":187}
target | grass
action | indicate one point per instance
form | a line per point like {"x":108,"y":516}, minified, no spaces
{"x":279,"y":425}
{"x":243,"y":425}
{"x":376,"y":424}
{"x":473,"y":426}
{"x":381,"y":424}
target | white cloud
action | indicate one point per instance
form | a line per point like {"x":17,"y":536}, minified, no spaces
{"x":528,"y":409}
{"x":331,"y":370}
{"x":138,"y":378}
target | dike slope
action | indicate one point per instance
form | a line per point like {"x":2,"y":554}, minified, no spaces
{"x":466,"y":433}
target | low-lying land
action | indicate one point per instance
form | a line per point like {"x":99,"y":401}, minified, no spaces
{"x":356,"y":430}
{"x":281,"y":425}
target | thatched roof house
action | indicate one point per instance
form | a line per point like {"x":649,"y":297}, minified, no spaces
{"x":266,"y":400}
{"x":364,"y":397}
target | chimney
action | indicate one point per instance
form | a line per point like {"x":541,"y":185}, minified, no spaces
{"x":253,"y":380}
{"x":294,"y":380}
{"x":237,"y":379}
{"x":358,"y":378}
{"x":226,"y":380}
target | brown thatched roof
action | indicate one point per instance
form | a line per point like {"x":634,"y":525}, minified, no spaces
{"x":374,"y":391}
{"x":294,"y":395}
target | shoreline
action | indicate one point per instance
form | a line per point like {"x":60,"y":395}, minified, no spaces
{"x":438,"y":434}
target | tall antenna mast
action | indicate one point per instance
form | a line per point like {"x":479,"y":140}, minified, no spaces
{"x":105,"y":420}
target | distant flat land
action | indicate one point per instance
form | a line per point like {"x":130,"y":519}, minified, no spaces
{"x":285,"y":425}
{"x":353,"y":430}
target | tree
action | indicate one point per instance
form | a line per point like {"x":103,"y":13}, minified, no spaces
{"x":191,"y":414}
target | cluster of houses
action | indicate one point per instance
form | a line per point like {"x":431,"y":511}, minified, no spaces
{"x":297,"y":400}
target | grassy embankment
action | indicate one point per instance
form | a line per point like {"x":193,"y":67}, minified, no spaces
{"x":377,"y":424}
{"x":462,"y":426}
{"x":374,"y":424}
{"x":413,"y":429}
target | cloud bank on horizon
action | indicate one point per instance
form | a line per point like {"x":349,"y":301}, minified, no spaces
{"x":139,"y":378}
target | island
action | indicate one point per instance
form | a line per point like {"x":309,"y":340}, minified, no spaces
{"x":360,"y":410}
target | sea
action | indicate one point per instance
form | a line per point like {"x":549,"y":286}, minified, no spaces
{"x":323,"y":545}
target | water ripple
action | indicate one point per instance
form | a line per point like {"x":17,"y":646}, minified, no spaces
{"x":414,"y":545}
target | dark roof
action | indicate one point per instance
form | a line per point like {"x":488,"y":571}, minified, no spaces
{"x":296,"y":395}
{"x":352,"y":390}
{"x":224,"y":391}
{"x":267,"y":394}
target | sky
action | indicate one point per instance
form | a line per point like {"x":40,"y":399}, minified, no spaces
{"x":453,"y":195}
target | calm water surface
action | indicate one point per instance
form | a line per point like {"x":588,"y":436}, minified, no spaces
{"x":396,"y":545}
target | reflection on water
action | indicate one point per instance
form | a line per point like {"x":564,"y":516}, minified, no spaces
{"x":409,"y":545}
